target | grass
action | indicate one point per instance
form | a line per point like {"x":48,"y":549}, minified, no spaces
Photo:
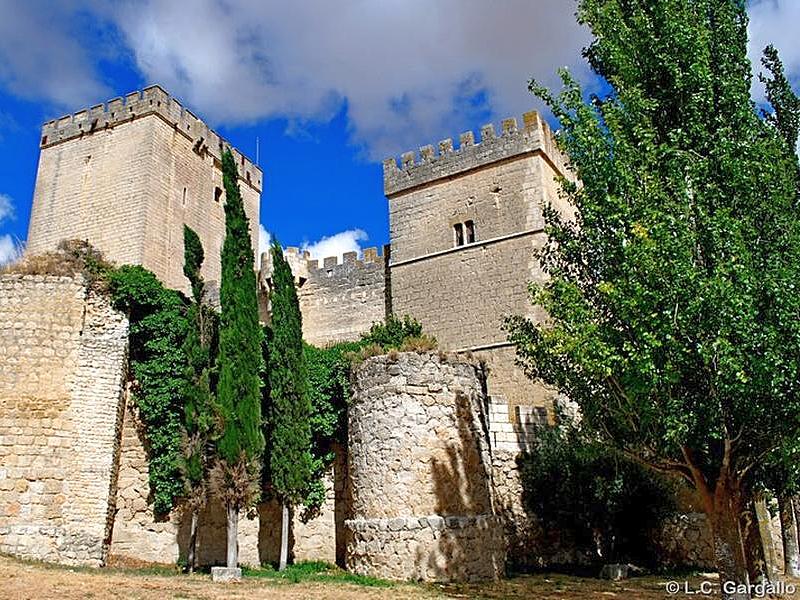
{"x":317,"y":571}
{"x":142,"y":569}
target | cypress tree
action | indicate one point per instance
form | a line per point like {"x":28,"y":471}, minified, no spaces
{"x":289,"y":407}
{"x":198,"y":418}
{"x":241,"y":441}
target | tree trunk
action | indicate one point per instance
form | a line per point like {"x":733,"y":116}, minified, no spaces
{"x":754,"y":551}
{"x":233,"y":537}
{"x":191,"y":552}
{"x":765,"y":532}
{"x":284,"y":537}
{"x":791,"y":553}
{"x":724,"y":510}
{"x":796,"y":507}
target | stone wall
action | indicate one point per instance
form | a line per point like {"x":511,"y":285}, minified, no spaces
{"x":420,"y":471}
{"x":138,"y":535}
{"x":62,"y":366}
{"x":461,"y":294}
{"x":128,"y":175}
{"x":340,"y":301}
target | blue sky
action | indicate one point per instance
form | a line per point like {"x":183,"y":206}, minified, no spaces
{"x":329,"y":88}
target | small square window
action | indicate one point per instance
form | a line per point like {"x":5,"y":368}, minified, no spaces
{"x":458,"y":229}
{"x":470,"y":227}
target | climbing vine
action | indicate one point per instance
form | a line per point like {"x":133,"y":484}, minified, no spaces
{"x":158,"y":328}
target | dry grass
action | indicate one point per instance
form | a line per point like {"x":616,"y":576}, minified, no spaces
{"x":28,"y":580}
{"x":422,"y":343}
{"x":33,"y":581}
{"x":72,"y":257}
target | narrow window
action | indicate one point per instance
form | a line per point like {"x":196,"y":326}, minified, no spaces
{"x":217,"y":193}
{"x":183,"y":200}
{"x":470,"y":227}
{"x":44,"y":140}
{"x":459,"y":232}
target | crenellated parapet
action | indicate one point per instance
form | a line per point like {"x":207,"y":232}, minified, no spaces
{"x":153,"y":100}
{"x":305,"y":268}
{"x":446,"y":160}
{"x":331,"y":265}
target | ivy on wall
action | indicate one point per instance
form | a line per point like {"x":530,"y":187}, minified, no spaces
{"x":158,"y":328}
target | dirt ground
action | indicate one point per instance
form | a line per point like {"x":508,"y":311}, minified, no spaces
{"x":23,"y":580}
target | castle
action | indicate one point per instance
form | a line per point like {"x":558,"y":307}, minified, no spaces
{"x":464,"y":224}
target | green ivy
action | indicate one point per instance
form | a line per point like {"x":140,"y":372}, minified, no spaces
{"x":158,"y":328}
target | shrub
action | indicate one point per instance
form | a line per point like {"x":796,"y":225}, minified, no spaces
{"x":601,"y":499}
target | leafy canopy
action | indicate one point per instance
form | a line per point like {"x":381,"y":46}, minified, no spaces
{"x":607,"y":503}
{"x":675,"y":317}
{"x":200,"y":417}
{"x":158,"y":328}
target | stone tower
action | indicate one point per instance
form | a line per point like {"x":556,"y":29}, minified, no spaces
{"x":464,"y":224}
{"x":127,"y":175}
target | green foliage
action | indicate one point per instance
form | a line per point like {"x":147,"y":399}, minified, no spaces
{"x":193,"y":257}
{"x":603,"y":500}
{"x":240,"y":336}
{"x":290,"y":462}
{"x":158,"y":328}
{"x":675,"y":317}
{"x":200,"y":346}
{"x":328,"y":372}
{"x":393,"y":332}
{"x":785,"y":103}
{"x":316,"y":571}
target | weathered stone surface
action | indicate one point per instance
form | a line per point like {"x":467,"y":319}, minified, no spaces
{"x":128,"y":176}
{"x":429,"y":517}
{"x":226,"y":574}
{"x":62,"y":366}
{"x":139,"y":535}
{"x":461,"y":294}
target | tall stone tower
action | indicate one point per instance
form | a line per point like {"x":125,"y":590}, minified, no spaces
{"x":464,"y":224}
{"x":128,"y":175}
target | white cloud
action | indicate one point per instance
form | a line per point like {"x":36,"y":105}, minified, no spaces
{"x":41,"y":57}
{"x":9,"y":249}
{"x":6,"y":207}
{"x":409,"y":71}
{"x":264,"y":240}
{"x":774,"y":22}
{"x":337,"y":244}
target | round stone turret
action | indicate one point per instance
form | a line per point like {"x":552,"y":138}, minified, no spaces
{"x":419,"y":465}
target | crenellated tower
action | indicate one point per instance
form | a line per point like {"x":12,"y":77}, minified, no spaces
{"x":128,"y":174}
{"x":464,"y":224}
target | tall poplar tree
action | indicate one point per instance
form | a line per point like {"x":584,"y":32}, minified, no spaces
{"x":674,"y":312}
{"x":241,"y":441}
{"x":290,"y":462}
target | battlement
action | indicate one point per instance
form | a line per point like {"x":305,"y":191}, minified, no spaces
{"x":304,"y":267}
{"x":427,"y":166}
{"x":153,"y":100}
{"x":330,"y":265}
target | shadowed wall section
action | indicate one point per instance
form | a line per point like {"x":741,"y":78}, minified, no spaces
{"x":420,"y":471}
